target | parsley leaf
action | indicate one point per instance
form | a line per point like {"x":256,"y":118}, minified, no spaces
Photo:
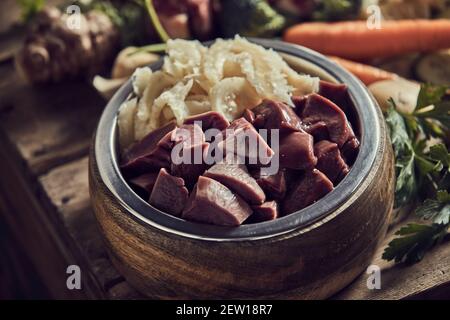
{"x":439,"y":152}
{"x":416,"y":240}
{"x":406,"y":183}
{"x":432,"y":113}
{"x":436,"y":209}
{"x":429,"y":95}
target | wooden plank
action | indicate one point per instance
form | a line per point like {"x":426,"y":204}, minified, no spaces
{"x":44,"y":127}
{"x":11,"y":42}
{"x":123,"y":291}
{"x":68,"y":191}
{"x":49,"y":125}
{"x":404,"y":282}
{"x":36,"y":229}
{"x":18,"y":278}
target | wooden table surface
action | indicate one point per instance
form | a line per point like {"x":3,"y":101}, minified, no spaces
{"x":46,"y":220}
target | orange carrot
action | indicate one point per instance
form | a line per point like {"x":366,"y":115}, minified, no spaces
{"x":354,"y":40}
{"x":367,"y":74}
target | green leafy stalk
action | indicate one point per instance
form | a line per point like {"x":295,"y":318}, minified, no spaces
{"x":153,"y":48}
{"x":155,"y":21}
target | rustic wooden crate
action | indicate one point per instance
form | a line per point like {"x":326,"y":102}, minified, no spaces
{"x":45,"y":133}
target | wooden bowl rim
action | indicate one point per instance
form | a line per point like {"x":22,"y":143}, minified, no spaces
{"x":106,"y":150}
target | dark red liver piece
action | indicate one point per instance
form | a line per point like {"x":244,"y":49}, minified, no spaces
{"x":265,"y":212}
{"x":329,"y":161}
{"x":273,"y":185}
{"x":237,"y":138}
{"x":276,"y":115}
{"x":166,"y":141}
{"x":147,"y":144}
{"x":146,"y":155}
{"x":310,"y":188}
{"x":336,"y":92}
{"x":299,"y":103}
{"x":211,"y":202}
{"x":188,"y":134}
{"x":169,"y":193}
{"x":237,"y":179}
{"x":296,"y":151}
{"x":187,"y":153}
{"x":249,"y":115}
{"x":318,"y":130}
{"x":318,"y":109}
{"x":208,"y":120}
{"x":350,"y":150}
{"x":145,"y":182}
{"x":159,"y":158}
{"x":191,"y":170}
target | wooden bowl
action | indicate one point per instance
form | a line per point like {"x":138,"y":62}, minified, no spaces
{"x":310,"y":254}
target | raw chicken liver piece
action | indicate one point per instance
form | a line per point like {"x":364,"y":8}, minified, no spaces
{"x":297,"y":151}
{"x":276,"y":115}
{"x":210,"y":119}
{"x":146,"y":155}
{"x":211,"y":202}
{"x":318,"y":109}
{"x":329,"y":161}
{"x":264,"y":212}
{"x":273,"y":185}
{"x":238,"y":180}
{"x":169,"y":193}
{"x":310,"y":188}
{"x":189,"y":143}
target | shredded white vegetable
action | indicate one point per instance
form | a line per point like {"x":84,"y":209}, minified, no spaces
{"x":227,"y":77}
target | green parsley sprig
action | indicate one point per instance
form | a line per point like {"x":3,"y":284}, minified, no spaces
{"x":421,"y":170}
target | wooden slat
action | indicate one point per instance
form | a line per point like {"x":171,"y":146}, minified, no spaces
{"x":404,"y":282}
{"x":10,"y":42}
{"x":43,"y":127}
{"x":49,"y":125}
{"x":67,"y":189}
{"x":36,"y":227}
{"x":17,"y":273}
{"x":123,"y":291}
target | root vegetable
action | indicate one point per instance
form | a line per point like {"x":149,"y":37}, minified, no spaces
{"x":355,"y":41}
{"x":53,"y":51}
